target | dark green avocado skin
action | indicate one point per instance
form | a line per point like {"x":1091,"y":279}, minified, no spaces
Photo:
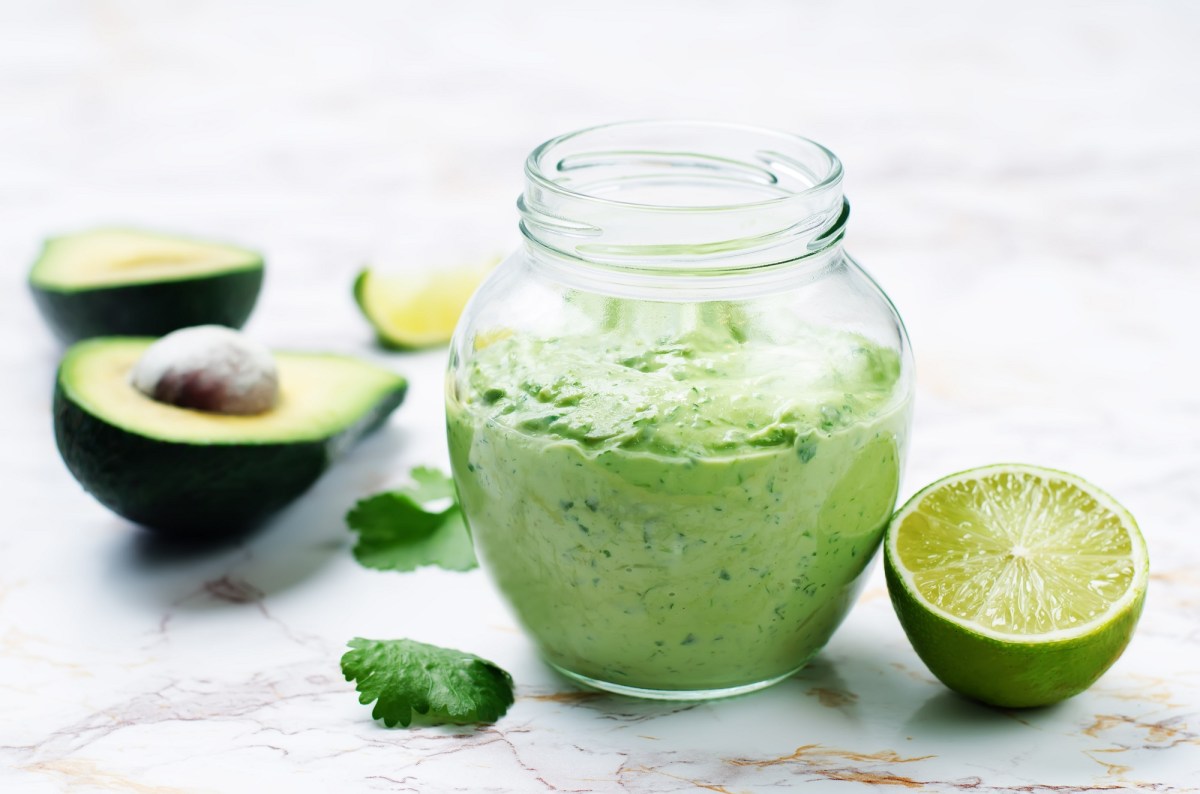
{"x":205,"y":490}
{"x":151,"y":309}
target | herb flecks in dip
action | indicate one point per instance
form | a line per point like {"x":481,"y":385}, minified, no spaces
{"x":663,"y":515}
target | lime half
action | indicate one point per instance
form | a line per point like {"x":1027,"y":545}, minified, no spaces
{"x":416,"y":310}
{"x":1017,"y":585}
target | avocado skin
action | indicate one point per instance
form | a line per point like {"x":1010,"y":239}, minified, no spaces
{"x":198,"y":490}
{"x":152,"y":308}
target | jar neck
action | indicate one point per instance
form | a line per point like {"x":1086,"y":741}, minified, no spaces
{"x":684,"y":198}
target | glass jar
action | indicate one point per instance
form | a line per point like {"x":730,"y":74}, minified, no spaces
{"x":677,"y":415}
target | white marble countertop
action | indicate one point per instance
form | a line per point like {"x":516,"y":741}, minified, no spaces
{"x":1026,"y":185}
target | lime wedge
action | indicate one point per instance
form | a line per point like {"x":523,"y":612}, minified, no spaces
{"x":1017,"y":585}
{"x":411,"y":311}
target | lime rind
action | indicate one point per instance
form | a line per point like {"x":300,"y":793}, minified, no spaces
{"x":1006,"y":673}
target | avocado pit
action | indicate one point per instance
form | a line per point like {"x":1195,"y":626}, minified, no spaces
{"x":209,"y":368}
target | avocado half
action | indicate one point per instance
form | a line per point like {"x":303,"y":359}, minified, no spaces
{"x":191,"y":472}
{"x":124,"y":282}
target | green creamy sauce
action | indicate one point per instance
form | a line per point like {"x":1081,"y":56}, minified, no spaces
{"x":678,"y":514}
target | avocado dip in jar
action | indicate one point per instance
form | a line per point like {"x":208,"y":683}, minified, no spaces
{"x":678,"y":415}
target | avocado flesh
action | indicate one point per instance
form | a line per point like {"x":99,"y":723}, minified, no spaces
{"x":191,"y":472}
{"x":125,"y":282}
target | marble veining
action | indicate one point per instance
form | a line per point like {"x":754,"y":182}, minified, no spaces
{"x":1025,"y":180}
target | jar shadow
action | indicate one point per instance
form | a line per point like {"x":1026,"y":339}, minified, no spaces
{"x":816,"y":687}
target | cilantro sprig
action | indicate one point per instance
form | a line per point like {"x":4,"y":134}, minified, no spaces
{"x":404,"y":677}
{"x":419,"y":524}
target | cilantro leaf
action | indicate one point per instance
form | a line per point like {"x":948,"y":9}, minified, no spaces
{"x":404,"y":676}
{"x":402,"y":530}
{"x":430,"y":486}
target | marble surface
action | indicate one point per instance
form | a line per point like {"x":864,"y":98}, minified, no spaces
{"x":1026,"y":184}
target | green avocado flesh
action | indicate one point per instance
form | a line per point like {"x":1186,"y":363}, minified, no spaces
{"x":186,"y":471}
{"x":116,"y":281}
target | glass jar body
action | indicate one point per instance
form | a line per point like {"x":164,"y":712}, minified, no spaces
{"x":678,"y":483}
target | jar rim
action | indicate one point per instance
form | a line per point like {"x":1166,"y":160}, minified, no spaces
{"x":677,"y":196}
{"x":831,"y":176}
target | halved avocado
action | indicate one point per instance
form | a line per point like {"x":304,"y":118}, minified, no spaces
{"x":186,"y":471}
{"x":124,"y":282}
